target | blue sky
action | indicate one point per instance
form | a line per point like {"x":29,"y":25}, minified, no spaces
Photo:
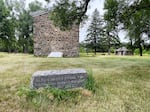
{"x":99,"y":4}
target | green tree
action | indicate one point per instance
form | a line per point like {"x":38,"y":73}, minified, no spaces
{"x":7,"y":26}
{"x":111,"y":7}
{"x":25,"y":25}
{"x":25,"y":31}
{"x":139,"y":24}
{"x":16,"y":25}
{"x":95,"y":31}
{"x":134,"y":17}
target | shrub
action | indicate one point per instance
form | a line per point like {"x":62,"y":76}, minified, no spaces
{"x":146,"y":51}
{"x":136,"y":51}
{"x":112,"y":50}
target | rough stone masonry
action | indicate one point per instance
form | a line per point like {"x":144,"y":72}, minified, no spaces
{"x":62,"y":79}
{"x":48,"y":38}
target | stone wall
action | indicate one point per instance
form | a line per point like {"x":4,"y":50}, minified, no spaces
{"x":66,"y":79}
{"x":48,"y":38}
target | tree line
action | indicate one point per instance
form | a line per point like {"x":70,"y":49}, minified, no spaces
{"x":16,"y":26}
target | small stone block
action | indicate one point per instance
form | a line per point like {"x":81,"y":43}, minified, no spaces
{"x":55,"y":55}
{"x":63,"y":79}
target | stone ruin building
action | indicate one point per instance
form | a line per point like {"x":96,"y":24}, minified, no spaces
{"x":48,"y":38}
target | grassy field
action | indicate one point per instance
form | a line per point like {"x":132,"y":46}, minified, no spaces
{"x":123,"y":83}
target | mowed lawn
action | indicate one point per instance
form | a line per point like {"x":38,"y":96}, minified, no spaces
{"x":123,"y":82}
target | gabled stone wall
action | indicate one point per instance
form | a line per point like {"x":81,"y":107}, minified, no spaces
{"x":48,"y":38}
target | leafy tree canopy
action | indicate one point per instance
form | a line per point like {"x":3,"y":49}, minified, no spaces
{"x":34,"y":6}
{"x":65,"y":13}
